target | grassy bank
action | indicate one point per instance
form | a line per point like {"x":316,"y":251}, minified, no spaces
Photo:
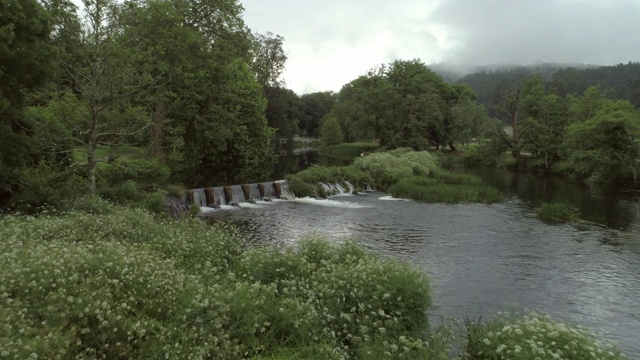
{"x":402,"y":173}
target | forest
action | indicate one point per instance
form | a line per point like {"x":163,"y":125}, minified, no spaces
{"x":154,"y":93}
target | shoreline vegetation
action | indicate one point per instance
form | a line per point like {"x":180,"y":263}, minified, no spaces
{"x":402,"y":172}
{"x":107,"y":281}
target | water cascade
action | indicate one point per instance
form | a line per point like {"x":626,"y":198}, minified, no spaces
{"x":237,"y":194}
{"x":267,"y":190}
{"x":252,"y":192}
{"x":337,"y":189}
{"x":198,"y":197}
{"x":215,"y":196}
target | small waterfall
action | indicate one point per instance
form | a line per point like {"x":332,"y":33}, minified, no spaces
{"x":199,"y":197}
{"x":286,"y":193}
{"x":254,"y":192}
{"x":337,"y":189}
{"x":237,"y":194}
{"x":218,"y":196}
{"x":267,"y":190}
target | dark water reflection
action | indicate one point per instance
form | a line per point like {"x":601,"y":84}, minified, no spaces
{"x":487,"y":258}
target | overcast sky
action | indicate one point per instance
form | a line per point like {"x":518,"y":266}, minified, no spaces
{"x":332,"y":42}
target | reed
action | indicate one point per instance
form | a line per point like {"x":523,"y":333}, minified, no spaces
{"x":556,"y":212}
{"x":427,"y":190}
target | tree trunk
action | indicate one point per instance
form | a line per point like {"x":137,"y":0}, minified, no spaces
{"x":452,"y":146}
{"x":91,"y":167}
{"x":156,"y":131}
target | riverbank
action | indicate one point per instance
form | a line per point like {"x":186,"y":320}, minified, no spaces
{"x":403,"y":173}
{"x":115,"y":282}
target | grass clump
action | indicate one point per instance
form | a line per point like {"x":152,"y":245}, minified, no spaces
{"x":532,"y":336}
{"x":429,"y":190}
{"x":453,"y":178}
{"x":556,"y":212}
{"x":121,"y":283}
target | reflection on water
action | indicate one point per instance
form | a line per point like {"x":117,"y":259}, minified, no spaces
{"x":484,"y":258}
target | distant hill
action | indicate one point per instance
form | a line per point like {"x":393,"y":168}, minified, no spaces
{"x":617,"y":82}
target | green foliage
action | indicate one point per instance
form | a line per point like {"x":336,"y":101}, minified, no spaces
{"x":175,"y":190}
{"x":556,"y":212}
{"x":26,"y":59}
{"x":402,"y":104}
{"x":454,"y":178}
{"x":421,"y":162}
{"x":123,"y":193}
{"x":347,"y":151}
{"x":299,"y":187}
{"x":384,"y":169}
{"x":46,"y":185}
{"x":125,"y":284}
{"x":330,"y":132}
{"x":154,"y":202}
{"x":606,"y":147}
{"x":428,"y":190}
{"x":532,"y":336}
{"x":144,"y":171}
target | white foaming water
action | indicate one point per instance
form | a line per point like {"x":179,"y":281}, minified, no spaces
{"x":330,"y":203}
{"x":251,"y":206}
{"x":391,"y":198}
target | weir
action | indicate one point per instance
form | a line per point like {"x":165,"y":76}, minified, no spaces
{"x":237,"y":194}
{"x":225,"y":195}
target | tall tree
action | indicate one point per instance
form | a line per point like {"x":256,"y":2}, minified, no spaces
{"x":269,"y":59}
{"x":607,"y":146}
{"x":105,"y":81}
{"x":314,"y":107}
{"x":26,"y":62}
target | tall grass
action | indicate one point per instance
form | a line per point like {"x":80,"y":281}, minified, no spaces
{"x":429,"y":190}
{"x":453,"y":178}
{"x":556,"y":212}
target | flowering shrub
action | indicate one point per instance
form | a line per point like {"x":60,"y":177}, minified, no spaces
{"x":384,"y":169}
{"x":121,"y":283}
{"x":533,"y":336}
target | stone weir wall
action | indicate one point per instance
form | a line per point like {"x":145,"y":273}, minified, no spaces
{"x":235,"y":194}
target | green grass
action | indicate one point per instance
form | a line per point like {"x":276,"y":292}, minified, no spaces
{"x":453,"y":178}
{"x":556,"y":212}
{"x":429,"y":190}
{"x":533,"y":336}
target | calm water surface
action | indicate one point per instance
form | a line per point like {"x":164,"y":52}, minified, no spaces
{"x":488,"y":258}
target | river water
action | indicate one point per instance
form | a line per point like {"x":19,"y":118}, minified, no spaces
{"x":488,"y":258}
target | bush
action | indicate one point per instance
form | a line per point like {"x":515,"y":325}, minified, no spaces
{"x":154,"y":202}
{"x":556,"y":212}
{"x":532,"y":336}
{"x":45,"y":185}
{"x":125,"y":193}
{"x":384,"y":169}
{"x":421,"y":162}
{"x":299,"y":187}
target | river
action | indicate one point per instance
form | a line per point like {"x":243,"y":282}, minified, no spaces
{"x":488,"y":258}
